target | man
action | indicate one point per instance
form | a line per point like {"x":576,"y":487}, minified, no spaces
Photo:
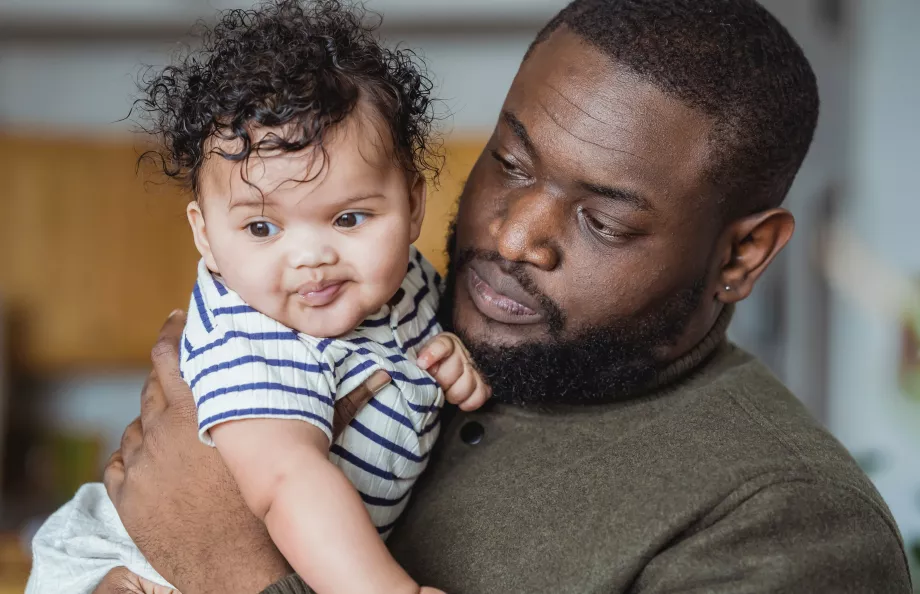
{"x":629,"y":196}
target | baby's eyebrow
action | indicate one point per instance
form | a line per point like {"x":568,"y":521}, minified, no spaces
{"x":360,"y":197}
{"x":251,"y":203}
{"x":269,"y":203}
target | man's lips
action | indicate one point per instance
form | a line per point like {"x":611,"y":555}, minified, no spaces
{"x":319,"y":294}
{"x":499,"y":296}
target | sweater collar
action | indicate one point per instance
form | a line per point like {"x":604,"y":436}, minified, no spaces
{"x":695,"y":357}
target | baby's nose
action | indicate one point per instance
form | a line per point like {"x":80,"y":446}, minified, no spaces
{"x":313,"y":256}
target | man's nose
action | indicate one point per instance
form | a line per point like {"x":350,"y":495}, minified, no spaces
{"x":529,"y":229}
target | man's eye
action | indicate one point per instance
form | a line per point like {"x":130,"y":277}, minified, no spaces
{"x":598,"y":226}
{"x":507,"y":165}
{"x":262,"y":229}
{"x":350,"y":220}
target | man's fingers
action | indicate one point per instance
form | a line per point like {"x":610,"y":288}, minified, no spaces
{"x":349,"y":405}
{"x":437,"y":349}
{"x":153,"y":401}
{"x":131,"y":441}
{"x":148,"y":587}
{"x":165,"y":357}
{"x":118,"y":581}
{"x":167,"y":345}
{"x":113,"y":477}
{"x":121,"y":580}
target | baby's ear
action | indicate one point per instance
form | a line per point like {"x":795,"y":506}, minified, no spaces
{"x":199,"y":232}
{"x":418,"y":194}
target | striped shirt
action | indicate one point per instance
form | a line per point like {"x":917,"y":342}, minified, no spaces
{"x":241,"y":364}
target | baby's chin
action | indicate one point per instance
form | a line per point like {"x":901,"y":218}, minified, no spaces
{"x":323,"y":329}
{"x":324,"y":322}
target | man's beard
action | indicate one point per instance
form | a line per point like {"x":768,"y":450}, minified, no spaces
{"x":597,"y":365}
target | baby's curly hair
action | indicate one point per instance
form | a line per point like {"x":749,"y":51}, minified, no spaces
{"x":301,"y":64}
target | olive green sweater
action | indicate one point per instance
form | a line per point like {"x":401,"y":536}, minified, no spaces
{"x":717,"y":481}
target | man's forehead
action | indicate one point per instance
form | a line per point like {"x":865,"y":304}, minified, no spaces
{"x":573,"y":97}
{"x":571,"y":76}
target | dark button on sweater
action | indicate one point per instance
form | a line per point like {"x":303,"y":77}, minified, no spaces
{"x":472,"y":433}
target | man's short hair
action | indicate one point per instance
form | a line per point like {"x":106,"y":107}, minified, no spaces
{"x":732,"y":60}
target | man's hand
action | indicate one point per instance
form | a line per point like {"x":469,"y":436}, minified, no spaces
{"x":176,"y":497}
{"x":121,"y":581}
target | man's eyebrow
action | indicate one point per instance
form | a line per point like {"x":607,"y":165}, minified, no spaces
{"x":520,"y":131}
{"x":619,"y":195}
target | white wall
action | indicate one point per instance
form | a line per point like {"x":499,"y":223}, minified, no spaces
{"x":72,"y":88}
{"x":80,"y":85}
{"x":88,"y":87}
{"x":867,"y":410}
{"x":97,"y":12}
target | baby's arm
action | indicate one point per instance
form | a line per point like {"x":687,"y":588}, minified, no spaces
{"x":314,"y":515}
{"x":449,"y":363}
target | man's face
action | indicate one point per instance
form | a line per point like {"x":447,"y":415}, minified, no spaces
{"x":587,"y":223}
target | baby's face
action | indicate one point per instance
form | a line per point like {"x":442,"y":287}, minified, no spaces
{"x":321,"y":255}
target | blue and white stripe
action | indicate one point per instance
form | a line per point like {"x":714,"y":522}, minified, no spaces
{"x":242,"y":364}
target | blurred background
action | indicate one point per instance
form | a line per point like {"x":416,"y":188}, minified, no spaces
{"x":95,"y":255}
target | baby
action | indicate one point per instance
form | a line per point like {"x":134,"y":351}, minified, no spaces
{"x":305,"y":145}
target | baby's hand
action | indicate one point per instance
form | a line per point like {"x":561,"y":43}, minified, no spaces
{"x":448,"y":361}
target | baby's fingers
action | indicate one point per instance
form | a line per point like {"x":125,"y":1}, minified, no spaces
{"x":437,"y":349}
{"x":463,"y":388}
{"x":448,"y":371}
{"x":481,"y":393}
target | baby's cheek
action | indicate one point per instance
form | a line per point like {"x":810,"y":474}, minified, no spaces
{"x":260,"y":287}
{"x":384,"y":272}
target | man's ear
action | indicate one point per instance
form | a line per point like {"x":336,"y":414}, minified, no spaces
{"x":418,"y":195}
{"x":751,"y":244}
{"x":199,"y":232}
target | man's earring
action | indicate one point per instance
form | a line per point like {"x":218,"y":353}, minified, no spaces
{"x":728,"y":288}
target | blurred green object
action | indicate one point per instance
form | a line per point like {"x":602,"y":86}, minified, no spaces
{"x":909,"y":368}
{"x":73,"y":460}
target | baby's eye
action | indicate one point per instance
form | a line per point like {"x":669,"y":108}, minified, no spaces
{"x":262,"y":229}
{"x":350,"y":219}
